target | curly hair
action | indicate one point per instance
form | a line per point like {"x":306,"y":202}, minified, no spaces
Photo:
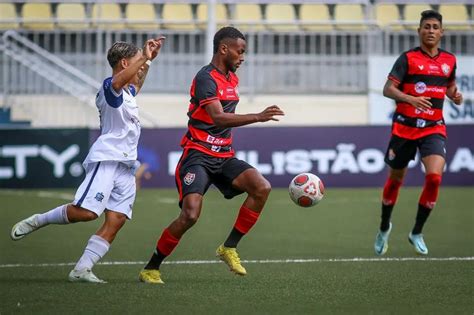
{"x":226,"y":32}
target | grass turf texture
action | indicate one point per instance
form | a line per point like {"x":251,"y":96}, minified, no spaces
{"x":342,"y":226}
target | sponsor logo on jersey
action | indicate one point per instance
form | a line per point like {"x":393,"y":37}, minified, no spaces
{"x":400,"y":118}
{"x":446,"y":68}
{"x":421,"y":67}
{"x":189,"y":178}
{"x":420,"y":87}
{"x":99,"y":197}
{"x":420,"y":123}
{"x":230,"y":91}
{"x":426,"y":111}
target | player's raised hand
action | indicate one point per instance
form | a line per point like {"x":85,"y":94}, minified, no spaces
{"x":158,"y":43}
{"x":421,"y":102}
{"x":269,"y":113}
{"x":152,"y":47}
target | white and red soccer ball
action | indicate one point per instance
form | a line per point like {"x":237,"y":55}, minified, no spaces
{"x":306,"y":190}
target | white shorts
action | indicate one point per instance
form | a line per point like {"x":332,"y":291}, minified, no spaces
{"x":108,"y":185}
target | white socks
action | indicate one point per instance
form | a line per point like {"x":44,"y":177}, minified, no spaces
{"x":96,"y":248}
{"x":56,"y":216}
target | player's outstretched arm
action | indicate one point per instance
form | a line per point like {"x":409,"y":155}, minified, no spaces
{"x":454,"y":95}
{"x":392,"y":91}
{"x":150,"y":51}
{"x":226,"y":120}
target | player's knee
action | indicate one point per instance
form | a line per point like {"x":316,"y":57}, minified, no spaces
{"x":79,"y":214}
{"x":119,"y":221}
{"x":189,"y":216}
{"x":88,"y":215}
{"x":263,"y":189}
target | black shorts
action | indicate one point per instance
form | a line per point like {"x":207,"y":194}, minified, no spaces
{"x":400,"y":151}
{"x":196,"y":171}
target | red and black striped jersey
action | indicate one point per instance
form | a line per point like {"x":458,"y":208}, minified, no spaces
{"x":209,"y":85}
{"x":419,"y":74}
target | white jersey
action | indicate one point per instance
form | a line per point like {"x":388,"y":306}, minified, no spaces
{"x":119,"y":126}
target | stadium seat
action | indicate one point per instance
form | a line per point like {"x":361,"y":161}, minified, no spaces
{"x":349,"y":13}
{"x":8,"y":15}
{"x":248,"y":17}
{"x":283,"y":15}
{"x":71,"y":16}
{"x":37,"y":16}
{"x":178,"y":16}
{"x":221,"y":15}
{"x":413,"y":14}
{"x":454,"y":13}
{"x":388,"y":15}
{"x":315,"y":13}
{"x":107,"y":15}
{"x":141,"y":16}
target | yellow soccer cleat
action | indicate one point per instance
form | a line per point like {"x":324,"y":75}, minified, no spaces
{"x":150,"y":276}
{"x":231,"y":258}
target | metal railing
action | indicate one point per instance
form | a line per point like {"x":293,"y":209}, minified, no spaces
{"x":27,"y":68}
{"x":309,"y":62}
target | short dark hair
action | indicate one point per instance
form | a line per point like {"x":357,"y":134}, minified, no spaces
{"x":226,"y":32}
{"x":431,"y":14}
{"x":119,"y":51}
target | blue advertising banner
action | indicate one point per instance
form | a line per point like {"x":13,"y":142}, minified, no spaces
{"x":341,"y":156}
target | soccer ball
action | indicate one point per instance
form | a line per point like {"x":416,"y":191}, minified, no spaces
{"x":306,"y":190}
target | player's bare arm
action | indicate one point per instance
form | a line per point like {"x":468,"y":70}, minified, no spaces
{"x":132,"y":66}
{"x":392,"y":91}
{"x":453,"y":94}
{"x":226,"y":120}
{"x":155,"y":46}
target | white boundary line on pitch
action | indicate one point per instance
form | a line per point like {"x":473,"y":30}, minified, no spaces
{"x":39,"y":194}
{"x":263,"y":261}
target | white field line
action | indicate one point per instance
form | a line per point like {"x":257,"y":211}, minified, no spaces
{"x":263,"y":261}
{"x":38,"y":193}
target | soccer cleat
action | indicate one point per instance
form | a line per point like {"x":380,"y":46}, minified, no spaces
{"x":84,"y":275}
{"x":418,"y":243}
{"x":381,"y":241}
{"x":24,"y":227}
{"x":150,"y":276}
{"x":231,"y":258}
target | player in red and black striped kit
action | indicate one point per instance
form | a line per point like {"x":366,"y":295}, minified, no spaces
{"x":208,"y":155}
{"x":419,"y":81}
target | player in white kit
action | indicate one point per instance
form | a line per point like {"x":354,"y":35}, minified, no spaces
{"x":109,"y":185}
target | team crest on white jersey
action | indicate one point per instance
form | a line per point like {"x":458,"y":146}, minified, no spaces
{"x":446,"y":68}
{"x":189,"y":178}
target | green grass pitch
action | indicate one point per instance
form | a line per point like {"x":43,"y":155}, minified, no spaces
{"x":327,"y":238}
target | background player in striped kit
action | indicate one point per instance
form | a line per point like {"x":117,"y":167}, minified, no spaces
{"x":419,"y":81}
